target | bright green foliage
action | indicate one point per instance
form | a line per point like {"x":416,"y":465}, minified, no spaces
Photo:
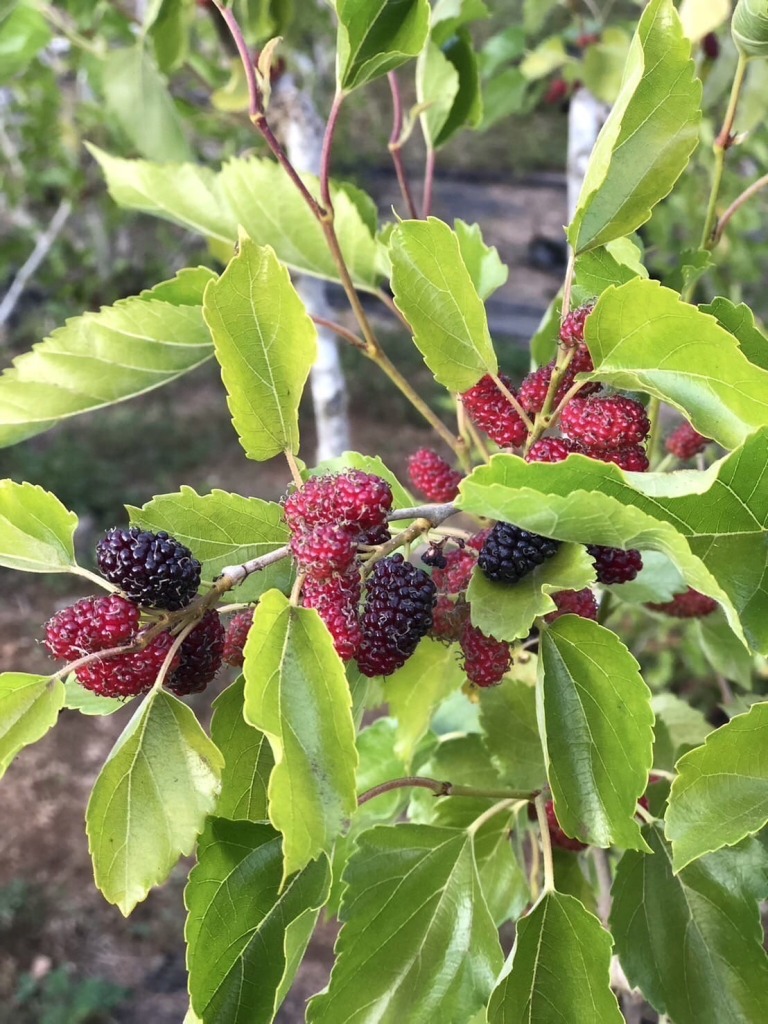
{"x":415,"y":690}
{"x":511,"y":734}
{"x":246,"y":932}
{"x":750,"y":27}
{"x":650,"y":134}
{"x":437,"y":296}
{"x":558,"y":970}
{"x":266,"y":344}
{"x":448,"y":16}
{"x":439,"y":906}
{"x":98,"y":359}
{"x":29,"y":707}
{"x":23,"y":33}
{"x":249,"y":758}
{"x":681,"y":724}
{"x":447,"y":80}
{"x":482,"y":261}
{"x":296,"y":692}
{"x":508,"y":612}
{"x":740,"y":321}
{"x":720,"y":794}
{"x":642,"y":337}
{"x":150,"y":801}
{"x":222,"y":529}
{"x":596,"y":721}
{"x":596,"y":270}
{"x":693,"y":941}
{"x":723,"y":649}
{"x":36,"y":530}
{"x":376,"y":36}
{"x":77,"y":698}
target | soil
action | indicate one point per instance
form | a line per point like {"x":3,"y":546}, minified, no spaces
{"x":62,"y":920}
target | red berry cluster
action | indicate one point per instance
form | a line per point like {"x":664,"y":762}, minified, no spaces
{"x":154,"y":571}
{"x":493,"y":413}
{"x":235,"y":637}
{"x":486,"y":660}
{"x":685,"y":442}
{"x":433,"y":476}
{"x":688,"y":605}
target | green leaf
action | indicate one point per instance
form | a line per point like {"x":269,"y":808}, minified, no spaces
{"x":77,"y":698}
{"x":36,"y":530}
{"x":415,"y":691}
{"x":685,"y":726}
{"x":413,"y":899}
{"x":98,"y":359}
{"x":243,"y":925}
{"x":151,"y":799}
{"x":185,"y":289}
{"x":466,"y":106}
{"x":720,"y":794}
{"x":511,"y":734}
{"x":597,"y":728}
{"x":437,"y":86}
{"x":249,"y":759}
{"x":296,"y":692}
{"x":693,"y":941}
{"x":508,"y":612}
{"x":749,"y":28}
{"x":270,"y":210}
{"x":186,"y":194}
{"x":23,"y":34}
{"x":711,"y":524}
{"x":377,"y":36}
{"x":658,"y":580}
{"x":550,"y":55}
{"x":137,"y":98}
{"x":558,"y":970}
{"x":29,"y":707}
{"x":485,"y":267}
{"x":222,"y":529}
{"x":642,"y":337}
{"x":450,"y":15}
{"x":435,"y":292}
{"x":604,"y":63}
{"x":739,"y":320}
{"x":649,"y":136}
{"x":266,"y":344}
{"x":170,"y":34}
{"x":615,"y":263}
{"x":723,"y":649}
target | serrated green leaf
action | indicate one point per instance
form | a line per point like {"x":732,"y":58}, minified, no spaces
{"x":185,"y":289}
{"x":693,"y":941}
{"x":712,"y":525}
{"x":720,"y":794}
{"x":435,"y":292}
{"x":649,"y":136}
{"x":415,"y":690}
{"x":485,"y":267}
{"x":36,"y":530}
{"x":684,"y":725}
{"x":222,"y":529}
{"x":740,"y":321}
{"x":246,"y":933}
{"x":77,"y":698}
{"x":23,"y":34}
{"x":29,"y":707}
{"x":642,"y":337}
{"x":508,"y":612}
{"x":249,"y":759}
{"x":376,"y":36}
{"x":436,"y":947}
{"x":437,"y":86}
{"x":296,"y":692}
{"x":596,"y":724}
{"x":266,"y":344}
{"x":749,"y":27}
{"x":151,"y":799}
{"x":138,"y":100}
{"x":598,"y":269}
{"x":98,"y":359}
{"x":558,"y":970}
{"x":511,"y":734}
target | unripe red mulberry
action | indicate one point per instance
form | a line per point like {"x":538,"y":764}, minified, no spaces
{"x":572,"y":329}
{"x":603,"y":424}
{"x":685,"y":442}
{"x":486,"y":660}
{"x":551,"y":449}
{"x":336,"y":599}
{"x":574,"y":602}
{"x":688,"y":605}
{"x":235,"y":637}
{"x":433,"y":476}
{"x":493,"y":413}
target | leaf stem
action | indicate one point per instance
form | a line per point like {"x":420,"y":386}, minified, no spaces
{"x":78,"y":570}
{"x":439,"y":788}
{"x":396,"y":145}
{"x":429,"y":182}
{"x":654,"y":437}
{"x":325,"y":156}
{"x":293,"y":465}
{"x":342,"y":332}
{"x":503,"y":805}
{"x":546,"y":844}
{"x":737,"y":204}
{"x":512,"y":400}
{"x":604,"y":883}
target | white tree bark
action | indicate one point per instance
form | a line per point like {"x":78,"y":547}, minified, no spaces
{"x":586,"y":116}
{"x":302,"y":129}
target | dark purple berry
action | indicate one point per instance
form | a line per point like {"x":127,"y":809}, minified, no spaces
{"x":510,"y":553}
{"x":152,"y":569}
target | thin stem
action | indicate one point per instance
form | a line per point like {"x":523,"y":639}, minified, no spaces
{"x":396,"y":146}
{"x":436,"y":514}
{"x":78,"y":570}
{"x":173,"y":651}
{"x":342,"y":332}
{"x":411,"y":533}
{"x":654,"y":437}
{"x":233,"y":575}
{"x":512,"y":401}
{"x":668,"y":460}
{"x":296,"y":589}
{"x":604,"y":882}
{"x":497,"y":808}
{"x":293,"y":465}
{"x":429,"y":181}
{"x":726,"y":691}
{"x":546,"y":417}
{"x":737,"y":204}
{"x":722,"y":144}
{"x":647,"y":817}
{"x":438,"y":788}
{"x":325,"y":156}
{"x":546,"y":844}
{"x":533,"y":874}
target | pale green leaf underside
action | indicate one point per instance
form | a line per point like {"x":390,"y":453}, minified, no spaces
{"x":649,"y":136}
{"x":266,"y":344}
{"x":511,"y":734}
{"x":249,"y":759}
{"x":642,"y":337}
{"x":151,"y":799}
{"x":483,"y":262}
{"x":720,"y":794}
{"x":596,"y":722}
{"x":296,"y":692}
{"x":29,"y":707}
{"x":36,"y":530}
{"x":436,"y":294}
